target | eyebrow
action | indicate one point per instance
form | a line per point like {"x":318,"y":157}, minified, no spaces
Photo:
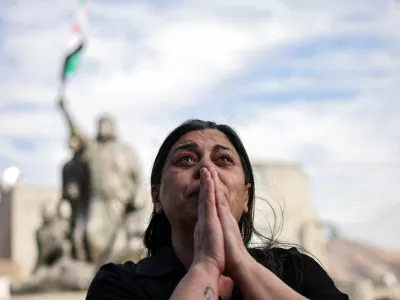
{"x":194,"y":146}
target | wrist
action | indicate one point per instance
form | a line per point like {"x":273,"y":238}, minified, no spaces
{"x":242,"y":268}
{"x":207,"y":268}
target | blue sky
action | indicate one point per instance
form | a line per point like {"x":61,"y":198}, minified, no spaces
{"x":301,"y":80}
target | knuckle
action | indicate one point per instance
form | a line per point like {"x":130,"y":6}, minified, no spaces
{"x":208,"y":201}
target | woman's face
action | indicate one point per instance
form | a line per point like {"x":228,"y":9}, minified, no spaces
{"x":177,"y":195}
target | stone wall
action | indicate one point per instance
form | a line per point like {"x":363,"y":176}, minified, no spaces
{"x":285,"y":188}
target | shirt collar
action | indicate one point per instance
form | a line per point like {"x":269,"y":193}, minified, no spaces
{"x":164,"y":262}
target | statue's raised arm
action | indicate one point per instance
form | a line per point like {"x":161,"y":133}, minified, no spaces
{"x":74,"y":128}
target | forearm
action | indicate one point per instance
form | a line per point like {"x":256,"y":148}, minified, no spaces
{"x":73,"y":127}
{"x":258,"y":283}
{"x":68,"y":118}
{"x":200,"y":283}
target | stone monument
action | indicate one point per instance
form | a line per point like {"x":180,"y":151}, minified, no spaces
{"x":101,"y":185}
{"x":114,"y":173}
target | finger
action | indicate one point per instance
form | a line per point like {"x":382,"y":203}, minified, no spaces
{"x":219,"y":194}
{"x":223,"y":209}
{"x":229,"y":226}
{"x":207,"y":205}
{"x":202,"y":193}
{"x":228,"y":221}
{"x":210,"y":209}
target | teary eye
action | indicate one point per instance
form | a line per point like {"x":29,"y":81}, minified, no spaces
{"x":186,"y":159}
{"x":225,"y":158}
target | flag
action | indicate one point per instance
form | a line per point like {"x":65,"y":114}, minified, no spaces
{"x":76,"y":43}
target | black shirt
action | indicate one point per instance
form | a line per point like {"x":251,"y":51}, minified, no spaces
{"x":155,"y":277}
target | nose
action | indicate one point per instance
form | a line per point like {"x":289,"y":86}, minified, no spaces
{"x":203,"y":163}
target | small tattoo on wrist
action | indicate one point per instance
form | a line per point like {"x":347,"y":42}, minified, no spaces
{"x":209,"y":293}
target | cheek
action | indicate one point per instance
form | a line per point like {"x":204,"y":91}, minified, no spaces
{"x":234,"y":186}
{"x":236,"y":195}
{"x":172,"y":185}
{"x":236,"y":203}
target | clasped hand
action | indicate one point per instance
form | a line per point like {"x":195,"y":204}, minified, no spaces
{"x":217,"y":239}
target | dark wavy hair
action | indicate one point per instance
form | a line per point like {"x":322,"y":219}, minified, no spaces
{"x":158,"y":232}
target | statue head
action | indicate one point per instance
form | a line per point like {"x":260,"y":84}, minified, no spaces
{"x":74,"y":144}
{"x":48,"y":213}
{"x":106,"y":128}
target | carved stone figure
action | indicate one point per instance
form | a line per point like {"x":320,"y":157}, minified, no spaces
{"x":75,"y":190}
{"x":51,"y":238}
{"x":54,"y":249}
{"x":114,"y":181}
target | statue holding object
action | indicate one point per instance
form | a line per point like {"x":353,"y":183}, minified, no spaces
{"x":113,"y":185}
{"x":101,"y":185}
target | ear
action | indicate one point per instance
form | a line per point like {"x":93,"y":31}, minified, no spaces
{"x":246,"y":198}
{"x":155,"y":197}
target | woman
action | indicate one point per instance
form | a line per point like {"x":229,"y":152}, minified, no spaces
{"x":202,"y":187}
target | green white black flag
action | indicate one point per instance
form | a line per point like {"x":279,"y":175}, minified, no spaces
{"x":76,"y":43}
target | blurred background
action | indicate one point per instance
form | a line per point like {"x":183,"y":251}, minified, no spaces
{"x":313,"y":83}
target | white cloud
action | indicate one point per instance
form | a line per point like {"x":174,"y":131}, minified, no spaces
{"x":353,"y":160}
{"x":144,"y":61}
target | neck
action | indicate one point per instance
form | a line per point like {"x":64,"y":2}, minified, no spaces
{"x":182,"y":242}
